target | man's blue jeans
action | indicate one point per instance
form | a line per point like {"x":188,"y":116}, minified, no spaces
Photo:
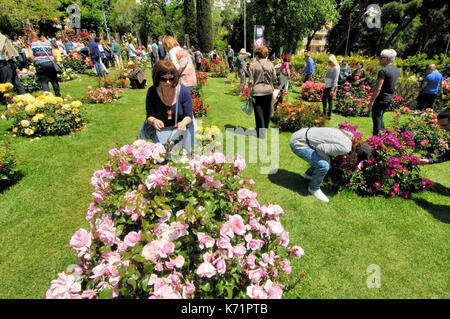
{"x":97,"y":65}
{"x":319,"y":166}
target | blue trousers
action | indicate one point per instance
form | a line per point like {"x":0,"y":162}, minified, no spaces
{"x":318,"y":169}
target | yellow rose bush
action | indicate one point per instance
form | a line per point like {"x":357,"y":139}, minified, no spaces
{"x":44,"y":115}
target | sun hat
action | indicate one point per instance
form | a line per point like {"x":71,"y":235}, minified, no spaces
{"x":243,"y":51}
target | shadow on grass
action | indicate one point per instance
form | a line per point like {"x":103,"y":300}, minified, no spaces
{"x":6,"y":184}
{"x":296,"y":183}
{"x":440,"y":212}
{"x":241,"y":130}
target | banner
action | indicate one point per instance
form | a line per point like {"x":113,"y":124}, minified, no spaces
{"x":258,"y":35}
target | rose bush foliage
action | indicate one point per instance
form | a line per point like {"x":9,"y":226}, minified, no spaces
{"x":44,"y":115}
{"x":392,"y":170}
{"x":298,"y":114}
{"x":191,"y":229}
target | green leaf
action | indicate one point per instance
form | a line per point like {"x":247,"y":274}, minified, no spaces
{"x":206,"y":286}
{"x":106,"y":293}
{"x":139,"y":258}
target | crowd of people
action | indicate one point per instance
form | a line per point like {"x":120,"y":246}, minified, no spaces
{"x":169,"y":105}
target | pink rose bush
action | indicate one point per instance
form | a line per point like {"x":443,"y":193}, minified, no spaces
{"x":352,"y":100}
{"x":312,"y":91}
{"x":190,"y":229}
{"x":392,"y":170}
{"x":103,"y":95}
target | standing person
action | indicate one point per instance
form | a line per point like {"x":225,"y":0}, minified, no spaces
{"x":161,"y":51}
{"x":230,"y":57}
{"x":94,"y":53}
{"x":61,"y":46}
{"x":182,"y":61}
{"x":56,"y":52}
{"x":41,"y":52}
{"x":261,"y":80}
{"x":131,"y":51}
{"x":383,"y":92}
{"x":198,"y":59}
{"x":285,"y":73}
{"x":429,"y":88}
{"x":103,"y":58}
{"x":21,"y":51}
{"x":331,"y":82}
{"x":309,"y":68}
{"x":117,"y":54}
{"x":8,"y":73}
{"x":345,"y":72}
{"x":443,"y":118}
{"x":155,"y":54}
{"x":109,"y":53}
{"x":241,"y":64}
{"x":317,"y":144}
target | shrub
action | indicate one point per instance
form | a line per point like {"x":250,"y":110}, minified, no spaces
{"x":205,"y":65}
{"x":292,"y":117}
{"x":391,"y":171}
{"x":76,"y":62}
{"x":352,"y":100}
{"x":443,"y":98}
{"x":430,"y":140}
{"x":68,"y":75}
{"x":192,"y":229}
{"x":103,"y":95}
{"x":205,"y":138}
{"x":200,"y":108}
{"x":312,"y":91}
{"x":6,"y":91}
{"x":29,"y":80}
{"x":9,"y":173}
{"x":44,"y":115}
{"x":219,"y":69}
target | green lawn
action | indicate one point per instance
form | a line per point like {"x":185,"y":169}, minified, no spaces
{"x":407,"y":239}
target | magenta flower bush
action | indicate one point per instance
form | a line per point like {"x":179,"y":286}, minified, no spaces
{"x":193,"y":229}
{"x":391,"y":171}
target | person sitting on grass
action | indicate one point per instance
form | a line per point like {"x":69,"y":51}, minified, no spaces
{"x":443,"y":121}
{"x":317,"y":144}
{"x":138,"y":80}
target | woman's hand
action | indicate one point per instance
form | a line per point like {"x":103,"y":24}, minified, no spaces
{"x":158,"y":124}
{"x":181,"y":126}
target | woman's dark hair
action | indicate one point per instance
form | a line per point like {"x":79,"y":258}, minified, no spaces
{"x":360,"y":150}
{"x":287,"y":58}
{"x":97,"y":39}
{"x":163,"y":68}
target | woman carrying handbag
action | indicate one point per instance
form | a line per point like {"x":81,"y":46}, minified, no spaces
{"x":41,"y":53}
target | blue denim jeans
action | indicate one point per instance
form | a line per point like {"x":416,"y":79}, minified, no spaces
{"x":97,"y":65}
{"x":319,"y":166}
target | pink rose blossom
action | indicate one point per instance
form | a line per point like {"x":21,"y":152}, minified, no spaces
{"x":80,"y":240}
{"x":239,"y":251}
{"x":237,"y":224}
{"x":132,"y":238}
{"x":206,"y":269}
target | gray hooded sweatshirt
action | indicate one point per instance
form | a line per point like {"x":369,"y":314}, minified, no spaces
{"x":326,"y":141}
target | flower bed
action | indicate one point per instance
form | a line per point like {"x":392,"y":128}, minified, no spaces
{"x":205,"y":138}
{"x":76,"y":62}
{"x":103,"y":95}
{"x":429,"y":139}
{"x":194,"y":229}
{"x":391,"y":171}
{"x":353,"y":100}
{"x":9,"y":173}
{"x":218,"y":69}
{"x":312,"y":91}
{"x":6,"y":91}
{"x":68,"y":75}
{"x":44,"y":115}
{"x":29,"y":80}
{"x":443,"y":98}
{"x":200,"y":108}
{"x":299,"y":114}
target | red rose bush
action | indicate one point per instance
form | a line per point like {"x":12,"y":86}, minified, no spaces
{"x":186,"y":229}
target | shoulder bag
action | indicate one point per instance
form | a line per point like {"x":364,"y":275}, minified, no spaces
{"x":59,"y":67}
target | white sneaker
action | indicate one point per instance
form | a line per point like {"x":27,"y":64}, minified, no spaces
{"x":306,"y":176}
{"x":319,"y":195}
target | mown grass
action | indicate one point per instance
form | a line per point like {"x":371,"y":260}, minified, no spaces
{"x":407,"y":239}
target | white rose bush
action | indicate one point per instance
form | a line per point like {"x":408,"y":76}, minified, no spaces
{"x":187,"y":229}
